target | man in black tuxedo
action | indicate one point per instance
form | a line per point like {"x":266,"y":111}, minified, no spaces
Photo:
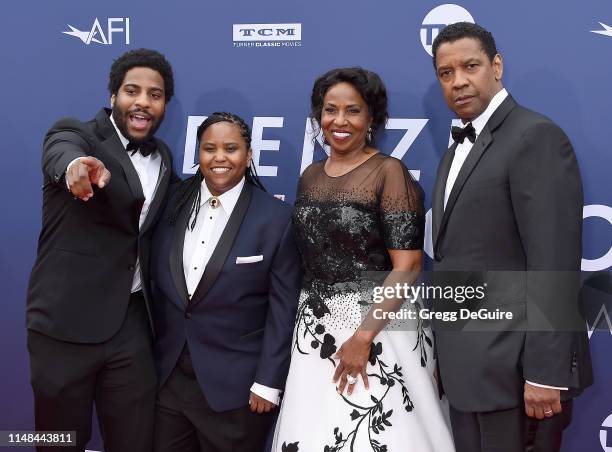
{"x":88,"y":314}
{"x":507,"y":214}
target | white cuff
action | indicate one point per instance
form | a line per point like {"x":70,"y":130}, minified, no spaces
{"x":546,"y":386}
{"x":265,"y":392}
{"x":66,"y":172}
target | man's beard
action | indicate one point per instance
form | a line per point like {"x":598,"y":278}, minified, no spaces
{"x":122,"y":119}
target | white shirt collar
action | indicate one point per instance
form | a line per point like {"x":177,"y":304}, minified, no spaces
{"x":484,"y":117}
{"x":124,"y":140}
{"x":228,"y":199}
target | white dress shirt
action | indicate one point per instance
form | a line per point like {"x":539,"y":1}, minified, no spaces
{"x":148,"y":169}
{"x":462,"y":151}
{"x":200,"y":243}
{"x":202,"y":240}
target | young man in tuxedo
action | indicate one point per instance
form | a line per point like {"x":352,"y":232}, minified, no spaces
{"x":507,"y":207}
{"x":88,"y":314}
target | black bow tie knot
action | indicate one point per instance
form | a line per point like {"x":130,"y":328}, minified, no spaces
{"x":460,"y":134}
{"x":146,"y":148}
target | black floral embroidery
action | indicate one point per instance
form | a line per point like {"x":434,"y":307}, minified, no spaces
{"x":423,"y":338}
{"x":375,"y":417}
{"x":326,"y":343}
{"x":291,"y":447}
{"x":317,"y":306}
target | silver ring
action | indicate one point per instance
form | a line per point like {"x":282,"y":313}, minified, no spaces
{"x":548,"y":412}
{"x":351,"y":380}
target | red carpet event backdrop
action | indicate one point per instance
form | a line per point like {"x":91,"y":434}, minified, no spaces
{"x":259,"y":59}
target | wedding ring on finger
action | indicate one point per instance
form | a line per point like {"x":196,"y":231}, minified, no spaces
{"x":548,"y":412}
{"x":350,"y":379}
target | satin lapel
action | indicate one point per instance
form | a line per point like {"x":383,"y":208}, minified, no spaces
{"x":482,"y":143}
{"x":219,"y":255}
{"x":176,"y":252}
{"x":113,"y":146}
{"x":484,"y":140}
{"x":437,"y":202}
{"x":160,"y":190}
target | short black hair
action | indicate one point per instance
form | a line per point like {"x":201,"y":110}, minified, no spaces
{"x":141,"y":58}
{"x":369,"y":85}
{"x":460,"y":30}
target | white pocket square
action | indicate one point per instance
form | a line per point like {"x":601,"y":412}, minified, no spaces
{"x":249,"y":259}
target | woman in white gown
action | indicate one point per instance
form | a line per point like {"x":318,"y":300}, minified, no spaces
{"x":356,"y":383}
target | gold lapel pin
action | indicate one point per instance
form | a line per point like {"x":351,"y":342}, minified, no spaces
{"x":214,"y":202}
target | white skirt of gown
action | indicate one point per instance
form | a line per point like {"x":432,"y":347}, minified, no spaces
{"x":401,"y":411}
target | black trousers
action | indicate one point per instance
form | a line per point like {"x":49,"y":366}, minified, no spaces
{"x":118,"y":375}
{"x":184,"y":422}
{"x":508,"y":430}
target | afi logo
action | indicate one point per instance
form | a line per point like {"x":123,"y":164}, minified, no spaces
{"x":438,"y":18}
{"x":606,"y":30}
{"x":267,"y":32}
{"x":96,"y":34}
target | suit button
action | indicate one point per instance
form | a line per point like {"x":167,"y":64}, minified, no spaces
{"x":131,"y":267}
{"x":188,"y":315}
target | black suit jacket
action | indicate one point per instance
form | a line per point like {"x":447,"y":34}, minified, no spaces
{"x":513,"y":222}
{"x":81,"y":281}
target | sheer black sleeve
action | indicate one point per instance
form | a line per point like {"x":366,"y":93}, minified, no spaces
{"x":401,"y":207}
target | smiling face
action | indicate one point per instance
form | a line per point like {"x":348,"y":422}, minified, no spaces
{"x":469,"y":79}
{"x":345,"y":118}
{"x":223,"y":156}
{"x":139,"y":104}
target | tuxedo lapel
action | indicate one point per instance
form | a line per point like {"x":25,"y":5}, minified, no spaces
{"x":219,"y":255}
{"x":160,"y":190}
{"x":176,"y":251}
{"x":437,"y":203}
{"x":480,"y":146}
{"x":113,"y":146}
{"x":482,"y":143}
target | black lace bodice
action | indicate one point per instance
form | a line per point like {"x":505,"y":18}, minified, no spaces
{"x":344,"y":225}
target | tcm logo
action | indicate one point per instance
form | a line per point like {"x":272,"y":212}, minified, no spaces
{"x":114,"y":26}
{"x":438,"y":18}
{"x":605,"y":434}
{"x":267,"y":35}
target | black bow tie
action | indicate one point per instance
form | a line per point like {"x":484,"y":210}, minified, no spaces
{"x":459,"y":134}
{"x":146,"y":148}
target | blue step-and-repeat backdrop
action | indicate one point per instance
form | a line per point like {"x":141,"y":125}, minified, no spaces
{"x":259,"y":60}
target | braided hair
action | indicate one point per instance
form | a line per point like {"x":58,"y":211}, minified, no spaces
{"x":190,"y":188}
